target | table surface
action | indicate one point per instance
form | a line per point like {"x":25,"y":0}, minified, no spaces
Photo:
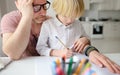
{"x":27,"y":66}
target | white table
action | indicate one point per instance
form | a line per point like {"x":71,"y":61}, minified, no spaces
{"x":26,"y":66}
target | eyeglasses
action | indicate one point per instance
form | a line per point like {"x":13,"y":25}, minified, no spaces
{"x":38,"y":7}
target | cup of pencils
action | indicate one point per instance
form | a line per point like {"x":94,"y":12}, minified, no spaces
{"x":81,"y":67}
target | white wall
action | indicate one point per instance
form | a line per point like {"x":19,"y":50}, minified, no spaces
{"x":94,"y":13}
{"x":10,"y":5}
{"x":0,"y":14}
{"x":3,"y":10}
{"x":110,"y":14}
{"x":0,"y":38}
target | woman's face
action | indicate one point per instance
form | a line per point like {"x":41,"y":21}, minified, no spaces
{"x":66,"y":20}
{"x":40,"y":15}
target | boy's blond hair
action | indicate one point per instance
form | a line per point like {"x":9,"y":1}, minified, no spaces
{"x":69,"y":8}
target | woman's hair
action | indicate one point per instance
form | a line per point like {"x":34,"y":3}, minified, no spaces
{"x":69,"y":8}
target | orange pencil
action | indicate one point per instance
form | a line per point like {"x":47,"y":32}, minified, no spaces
{"x":77,"y":71}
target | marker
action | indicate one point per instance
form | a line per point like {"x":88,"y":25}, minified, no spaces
{"x":70,"y":66}
{"x":54,"y":68}
{"x":57,"y":62}
{"x":77,"y":71}
{"x":59,"y":71}
{"x":63,"y":63}
{"x":75,"y":66}
{"x":61,"y":42}
{"x":87,"y":65}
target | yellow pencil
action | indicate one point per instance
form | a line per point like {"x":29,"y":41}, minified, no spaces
{"x":61,"y":42}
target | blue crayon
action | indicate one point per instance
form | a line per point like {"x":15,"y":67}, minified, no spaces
{"x":54,"y":68}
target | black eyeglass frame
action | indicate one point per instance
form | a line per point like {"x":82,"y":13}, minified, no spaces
{"x":42,"y":6}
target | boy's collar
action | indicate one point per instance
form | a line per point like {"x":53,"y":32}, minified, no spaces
{"x":57,"y":21}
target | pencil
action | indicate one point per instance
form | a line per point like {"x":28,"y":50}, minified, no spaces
{"x":61,"y":42}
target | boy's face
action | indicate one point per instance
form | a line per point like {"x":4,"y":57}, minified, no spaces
{"x":66,"y":20}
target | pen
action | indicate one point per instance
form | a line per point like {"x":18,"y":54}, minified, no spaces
{"x":63,"y":63}
{"x":61,"y":42}
{"x":6,"y":65}
{"x":70,"y":66}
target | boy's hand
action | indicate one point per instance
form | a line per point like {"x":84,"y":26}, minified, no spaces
{"x":80,"y":44}
{"x":25,"y":7}
{"x":68,"y":53}
{"x":60,"y":53}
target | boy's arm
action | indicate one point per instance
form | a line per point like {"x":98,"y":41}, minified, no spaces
{"x":42,"y":46}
